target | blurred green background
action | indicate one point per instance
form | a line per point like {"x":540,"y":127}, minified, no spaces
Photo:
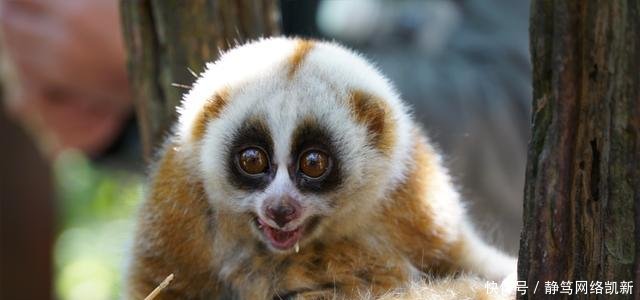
{"x":95,"y":227}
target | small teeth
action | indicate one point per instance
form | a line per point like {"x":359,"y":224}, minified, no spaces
{"x":297,"y":247}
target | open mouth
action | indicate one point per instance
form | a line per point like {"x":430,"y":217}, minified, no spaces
{"x":280,"y":239}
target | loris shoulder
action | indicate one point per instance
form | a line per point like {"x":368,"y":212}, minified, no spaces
{"x":296,"y":172}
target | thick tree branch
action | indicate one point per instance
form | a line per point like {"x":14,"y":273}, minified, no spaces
{"x":582,"y":191}
{"x":167,"y":39}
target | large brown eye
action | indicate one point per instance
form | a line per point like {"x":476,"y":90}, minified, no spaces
{"x":314,"y":163}
{"x":253,"y":161}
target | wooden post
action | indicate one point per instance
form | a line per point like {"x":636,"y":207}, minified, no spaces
{"x":167,"y":39}
{"x":582,"y":190}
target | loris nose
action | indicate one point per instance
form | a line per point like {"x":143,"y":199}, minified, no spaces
{"x":282,"y":213}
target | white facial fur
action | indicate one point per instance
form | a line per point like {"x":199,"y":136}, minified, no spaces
{"x":257,"y":79}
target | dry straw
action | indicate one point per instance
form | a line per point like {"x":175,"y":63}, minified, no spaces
{"x":160,"y":287}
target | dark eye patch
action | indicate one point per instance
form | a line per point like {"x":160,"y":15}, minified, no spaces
{"x":253,"y":133}
{"x":311,"y":136}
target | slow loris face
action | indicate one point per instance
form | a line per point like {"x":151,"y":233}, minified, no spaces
{"x":299,"y":139}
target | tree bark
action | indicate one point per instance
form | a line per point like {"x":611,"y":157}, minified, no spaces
{"x":27,"y":216}
{"x":582,"y":190}
{"x":167,"y":40}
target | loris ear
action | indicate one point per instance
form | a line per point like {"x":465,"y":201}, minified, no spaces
{"x":210,"y":111}
{"x":375,"y":114}
{"x":174,"y":233}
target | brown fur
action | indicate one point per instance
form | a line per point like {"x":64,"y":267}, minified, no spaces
{"x":180,"y":233}
{"x":414,"y":229}
{"x":376,"y":115}
{"x":211,"y":111}
{"x":303,"y":47}
{"x":364,"y":245}
{"x":344,"y":268}
{"x":174,"y":235}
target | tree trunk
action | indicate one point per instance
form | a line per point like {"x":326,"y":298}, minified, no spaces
{"x":167,"y":40}
{"x":27,"y":216}
{"x":582,"y":190}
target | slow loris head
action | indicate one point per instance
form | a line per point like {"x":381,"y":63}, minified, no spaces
{"x":299,"y":138}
